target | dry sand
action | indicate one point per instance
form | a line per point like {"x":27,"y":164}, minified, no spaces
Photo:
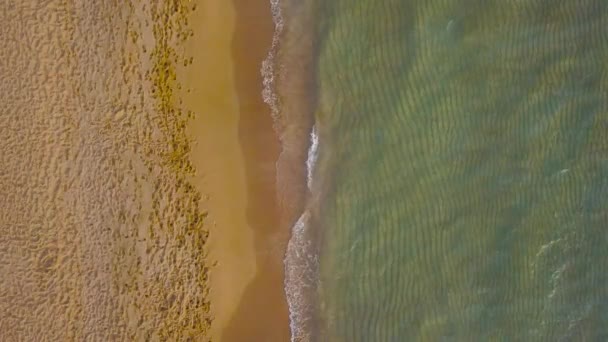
{"x":101,"y":236}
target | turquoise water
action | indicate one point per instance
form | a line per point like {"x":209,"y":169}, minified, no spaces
{"x":464,"y":163}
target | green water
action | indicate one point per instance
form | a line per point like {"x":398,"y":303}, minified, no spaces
{"x":464,"y":146}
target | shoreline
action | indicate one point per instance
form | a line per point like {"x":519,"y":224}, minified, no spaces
{"x":295,"y":87}
{"x":254,"y":180}
{"x":265,"y":295}
{"x":236,"y":151}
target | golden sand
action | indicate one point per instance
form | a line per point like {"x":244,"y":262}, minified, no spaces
{"x":210,"y":90}
{"x":101,"y":236}
{"x":236,"y":153}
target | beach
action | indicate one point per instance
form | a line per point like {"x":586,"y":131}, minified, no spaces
{"x":265,"y":295}
{"x":139,"y":182}
{"x":235,"y":152}
{"x":209,"y":89}
{"x":103,"y":232}
{"x":269,"y":170}
{"x":151,"y":189}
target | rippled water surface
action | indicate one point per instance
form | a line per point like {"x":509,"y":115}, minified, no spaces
{"x":464,"y":152}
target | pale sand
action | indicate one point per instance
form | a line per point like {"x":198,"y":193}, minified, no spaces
{"x":100,"y":234}
{"x":217,"y":156}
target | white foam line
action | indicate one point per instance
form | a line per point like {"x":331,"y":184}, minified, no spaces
{"x":299,"y":274}
{"x":313,"y":153}
{"x":268,"y":71}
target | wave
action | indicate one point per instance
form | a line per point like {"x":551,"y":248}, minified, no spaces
{"x":313,"y":153}
{"x":302,"y":262}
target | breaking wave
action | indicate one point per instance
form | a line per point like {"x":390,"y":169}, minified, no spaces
{"x":301,"y":263}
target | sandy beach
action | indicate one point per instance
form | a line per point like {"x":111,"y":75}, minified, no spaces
{"x":210,"y":91}
{"x":103,"y":235}
{"x":138,"y":186}
{"x":265,"y":295}
{"x":235,"y":153}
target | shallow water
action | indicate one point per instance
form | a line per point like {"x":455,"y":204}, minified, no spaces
{"x":462,"y":159}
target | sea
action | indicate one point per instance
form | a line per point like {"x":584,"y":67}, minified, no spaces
{"x":457,"y":169}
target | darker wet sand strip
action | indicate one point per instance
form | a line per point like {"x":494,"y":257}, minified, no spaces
{"x":262,"y":314}
{"x":275,"y":163}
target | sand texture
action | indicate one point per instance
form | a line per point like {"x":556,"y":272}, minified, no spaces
{"x":102,"y":236}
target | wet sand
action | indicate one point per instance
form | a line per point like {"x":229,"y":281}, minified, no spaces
{"x":262,"y":314}
{"x":236,"y":154}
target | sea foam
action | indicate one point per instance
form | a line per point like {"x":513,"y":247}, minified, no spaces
{"x":300,"y":279}
{"x":269,"y":66}
{"x":301,"y":263}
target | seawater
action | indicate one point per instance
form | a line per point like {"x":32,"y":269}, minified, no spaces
{"x":462,"y":172}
